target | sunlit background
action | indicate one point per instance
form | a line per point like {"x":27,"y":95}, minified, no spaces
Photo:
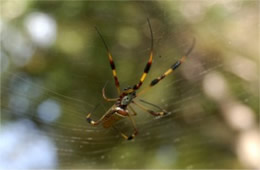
{"x":54,"y":65}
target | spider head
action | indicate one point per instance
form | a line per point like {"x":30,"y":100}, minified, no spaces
{"x":129,"y":91}
{"x":128,"y":95}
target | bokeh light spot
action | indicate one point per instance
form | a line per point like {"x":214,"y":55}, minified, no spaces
{"x":22,"y":146}
{"x":128,"y":37}
{"x":239,"y":116}
{"x":42,"y":28}
{"x":215,"y":86}
{"x":13,"y":9}
{"x":49,"y":110}
{"x":242,"y":67}
{"x":17,"y":45}
{"x":248,"y":148}
{"x":71,"y":42}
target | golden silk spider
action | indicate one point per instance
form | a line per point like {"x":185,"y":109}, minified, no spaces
{"x":122,"y":107}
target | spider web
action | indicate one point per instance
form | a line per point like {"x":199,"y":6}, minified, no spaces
{"x":50,"y":83}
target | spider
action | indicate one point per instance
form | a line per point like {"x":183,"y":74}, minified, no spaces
{"x":122,"y":107}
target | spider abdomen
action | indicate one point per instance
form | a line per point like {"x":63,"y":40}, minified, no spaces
{"x":112,"y":120}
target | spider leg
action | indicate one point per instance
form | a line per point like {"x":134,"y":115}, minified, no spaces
{"x":106,"y":115}
{"x":154,"y":105}
{"x":160,"y":113}
{"x":112,"y":64}
{"x":132,"y":136}
{"x":105,"y":97}
{"x":132,"y":110}
{"x":170,"y":70}
{"x":148,"y":65}
{"x":135,"y":129}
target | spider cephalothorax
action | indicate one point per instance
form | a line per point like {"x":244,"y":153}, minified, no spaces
{"x":127,"y":96}
{"x":122,"y":108}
